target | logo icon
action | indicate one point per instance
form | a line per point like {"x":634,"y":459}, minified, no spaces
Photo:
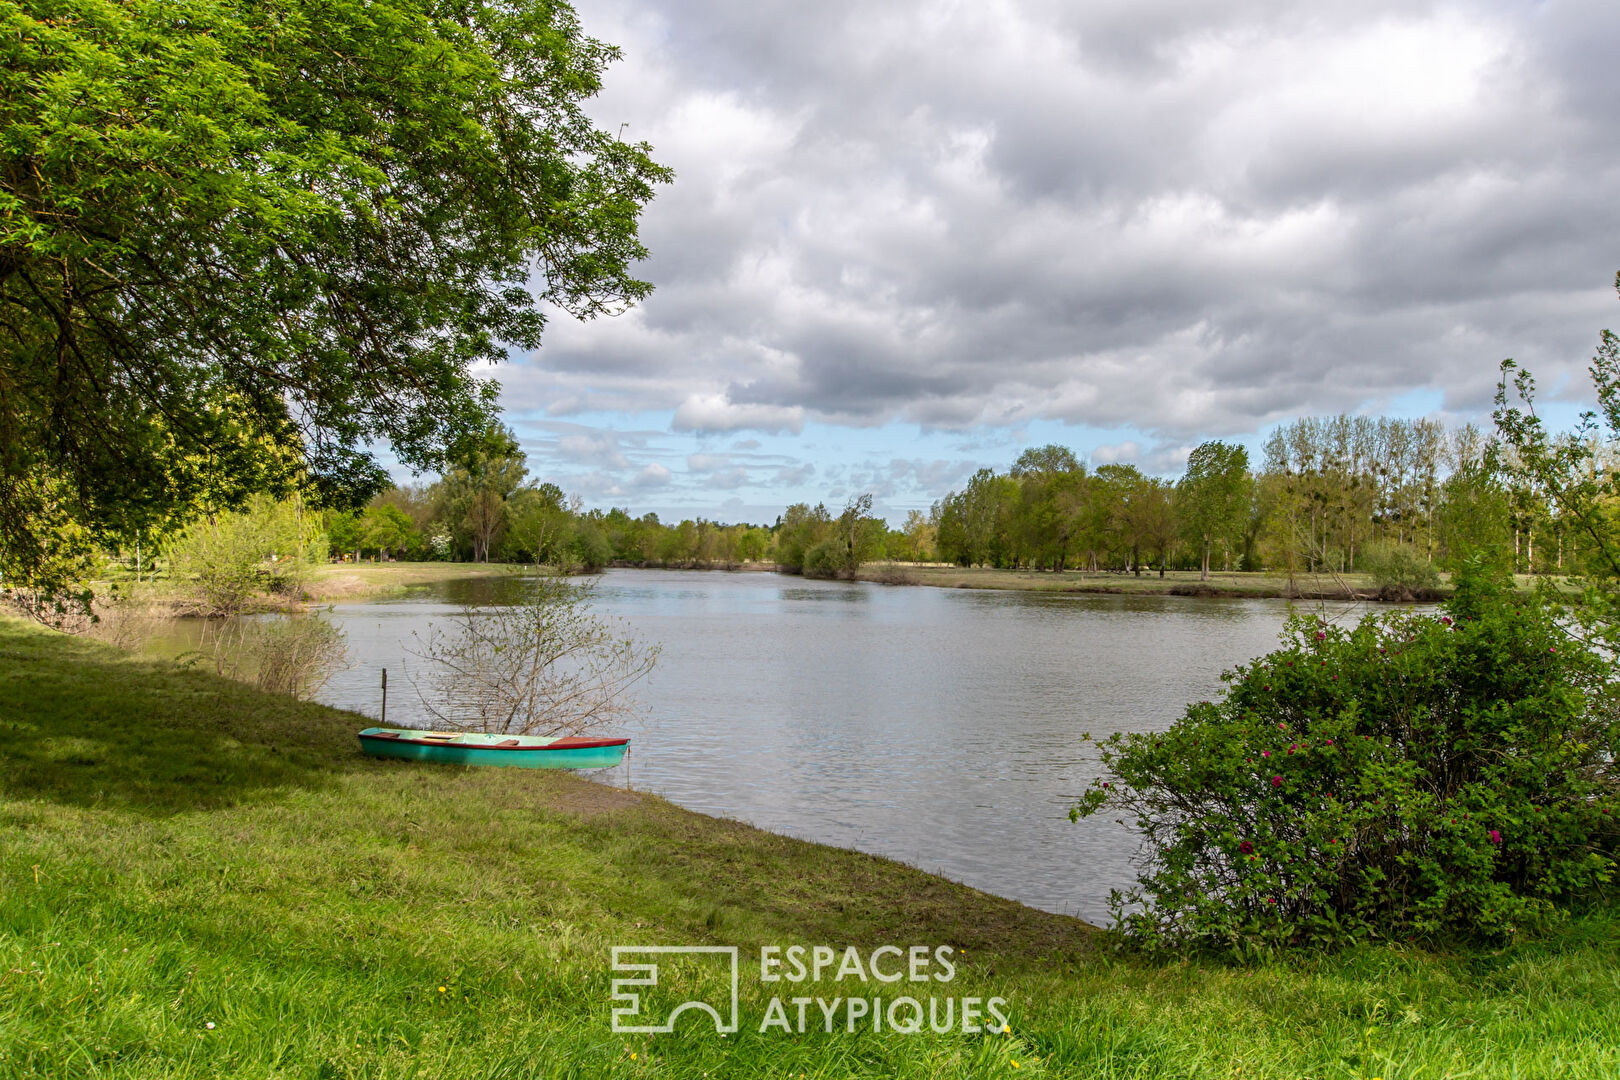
{"x":646,"y":974}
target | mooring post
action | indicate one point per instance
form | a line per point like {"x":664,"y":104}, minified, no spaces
{"x":385,"y":696}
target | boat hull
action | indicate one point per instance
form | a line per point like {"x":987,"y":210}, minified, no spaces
{"x":471,"y":749}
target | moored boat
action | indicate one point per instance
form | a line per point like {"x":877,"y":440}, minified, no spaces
{"x":477,"y":748}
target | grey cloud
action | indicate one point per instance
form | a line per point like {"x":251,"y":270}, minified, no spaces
{"x":653,"y":476}
{"x":1189,"y":219}
{"x":795,"y":476}
{"x":703,"y":463}
{"x":599,"y":449}
{"x":729,"y":479}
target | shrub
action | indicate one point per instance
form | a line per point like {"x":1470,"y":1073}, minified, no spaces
{"x":128,"y":617}
{"x":1400,"y":571}
{"x":295,"y":654}
{"x":1418,"y":775}
{"x":287,"y":654}
{"x":546,"y":665}
{"x":824,"y":560}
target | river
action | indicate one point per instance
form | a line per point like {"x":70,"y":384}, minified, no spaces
{"x":941,"y":727}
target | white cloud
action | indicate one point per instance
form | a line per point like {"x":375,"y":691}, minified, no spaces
{"x":653,"y":476}
{"x":713,"y":412}
{"x":1124,"y":453}
{"x":600,"y":448}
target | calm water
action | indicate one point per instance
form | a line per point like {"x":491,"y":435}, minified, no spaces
{"x":940,"y":727}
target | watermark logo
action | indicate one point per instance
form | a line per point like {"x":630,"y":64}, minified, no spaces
{"x":644,"y":981}
{"x":889,"y":988}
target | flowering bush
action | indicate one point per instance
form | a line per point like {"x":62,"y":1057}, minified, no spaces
{"x":1416,"y":775}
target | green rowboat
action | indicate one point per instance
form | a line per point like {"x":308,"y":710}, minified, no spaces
{"x":474,"y":748}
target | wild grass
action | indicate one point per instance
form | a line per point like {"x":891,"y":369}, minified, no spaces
{"x":201,"y":880}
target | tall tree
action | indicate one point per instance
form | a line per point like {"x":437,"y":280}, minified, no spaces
{"x":1212,"y":496}
{"x":1045,"y":460}
{"x":243,"y":241}
{"x":1578,"y":473}
{"x":488,"y":472}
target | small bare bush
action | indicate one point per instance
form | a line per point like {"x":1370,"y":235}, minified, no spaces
{"x":544,"y":666}
{"x":288,"y":654}
{"x":128,"y":618}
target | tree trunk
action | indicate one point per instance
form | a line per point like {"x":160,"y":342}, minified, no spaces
{"x":1203,"y":574}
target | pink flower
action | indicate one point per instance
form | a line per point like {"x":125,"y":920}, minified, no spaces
{"x":1265,"y":753}
{"x":1496,"y":837}
{"x":1246,"y":847}
{"x":1321,"y":635}
{"x":1330,"y":742}
{"x":1276,"y":781}
{"x":1446,"y":619}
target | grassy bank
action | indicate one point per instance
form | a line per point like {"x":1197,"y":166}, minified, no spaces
{"x":1173,"y":583}
{"x":198,"y":880}
{"x":343,"y":582}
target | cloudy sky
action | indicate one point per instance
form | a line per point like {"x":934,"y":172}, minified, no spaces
{"x":909,"y":239}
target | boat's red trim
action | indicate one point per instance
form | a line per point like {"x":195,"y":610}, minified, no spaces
{"x":571,"y":743}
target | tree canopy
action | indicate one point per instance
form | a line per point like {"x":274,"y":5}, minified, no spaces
{"x":1212,"y":494}
{"x":243,"y":241}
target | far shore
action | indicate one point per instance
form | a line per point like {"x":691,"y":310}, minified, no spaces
{"x":354,"y":582}
{"x":1266,"y":584}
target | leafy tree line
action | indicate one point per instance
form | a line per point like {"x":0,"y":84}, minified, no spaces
{"x":1400,"y":498}
{"x":1334,"y":494}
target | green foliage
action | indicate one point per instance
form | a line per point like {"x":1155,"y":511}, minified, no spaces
{"x":1574,"y":473}
{"x":824,"y":560}
{"x":240,"y":241}
{"x":1213,"y":496}
{"x":387,"y":528}
{"x":590,"y":547}
{"x":229,"y":556}
{"x":1474,"y":518}
{"x":1399,"y":571}
{"x":222,"y":558}
{"x":1416,"y":775}
{"x":476,"y":494}
{"x":800,"y":531}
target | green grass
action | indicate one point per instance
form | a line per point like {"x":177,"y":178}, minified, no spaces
{"x":178,"y":851}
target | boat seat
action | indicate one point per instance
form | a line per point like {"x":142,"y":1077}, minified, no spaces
{"x":510,"y":742}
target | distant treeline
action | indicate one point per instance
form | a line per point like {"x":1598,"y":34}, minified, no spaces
{"x":1331,"y":495}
